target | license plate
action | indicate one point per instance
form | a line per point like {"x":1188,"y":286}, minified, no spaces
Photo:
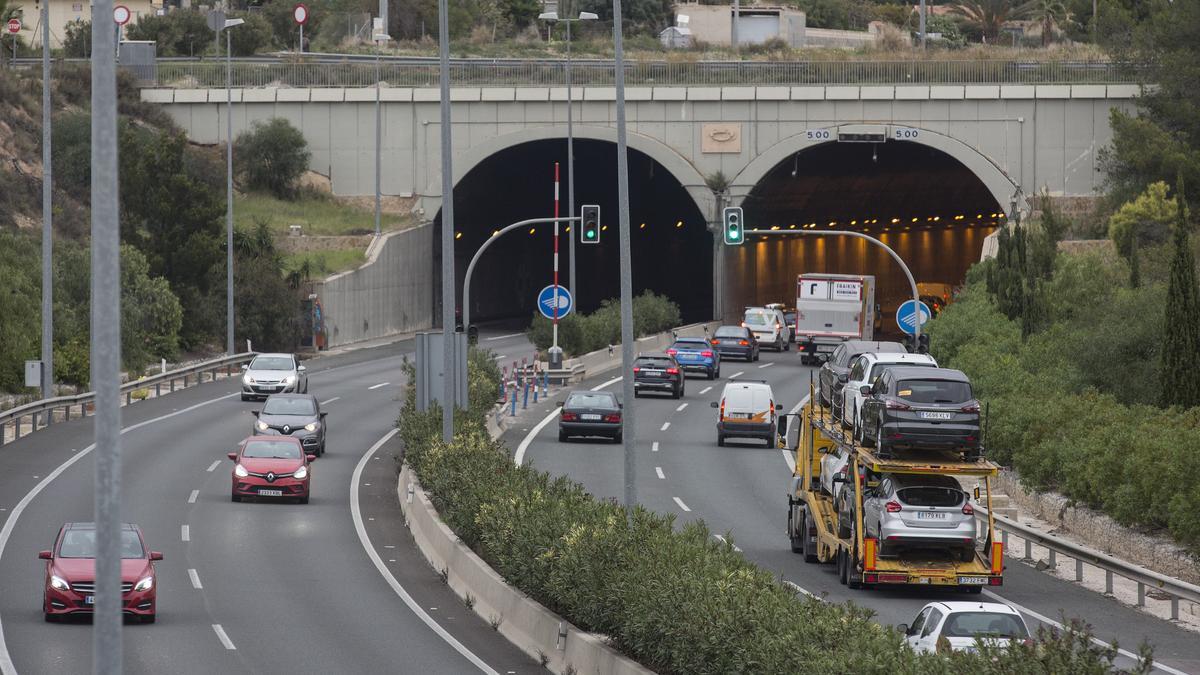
{"x":973,"y":581}
{"x":653,"y":372}
{"x":89,"y":599}
{"x":589,"y":418}
{"x":930,"y":515}
{"x":271,"y":493}
{"x":936,"y":415}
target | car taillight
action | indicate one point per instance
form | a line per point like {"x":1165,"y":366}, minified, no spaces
{"x":743,"y":343}
{"x":968,"y":510}
{"x":722,"y":409}
{"x":672,"y":352}
{"x":893,"y":507}
{"x":707,"y":353}
{"x":569,"y":417}
{"x":893,"y":404}
{"x":672,"y":371}
{"x":716,"y":341}
{"x":613,"y":418}
{"x":972,"y":407}
{"x":636,"y":369}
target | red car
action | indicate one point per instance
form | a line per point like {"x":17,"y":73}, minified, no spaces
{"x":71,"y":573}
{"x":271,"y":466}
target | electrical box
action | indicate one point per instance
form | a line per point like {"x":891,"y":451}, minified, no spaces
{"x":33,"y":374}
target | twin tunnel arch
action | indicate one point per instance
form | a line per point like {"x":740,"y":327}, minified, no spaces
{"x":933,"y":199}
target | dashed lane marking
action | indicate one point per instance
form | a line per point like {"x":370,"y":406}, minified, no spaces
{"x":705,"y":390}
{"x":335,"y":398}
{"x":654,"y":447}
{"x":213,"y":467}
{"x":223,"y":637}
{"x":737,"y":374}
{"x":658,"y":470}
{"x":192,"y":497}
{"x":766,"y":365}
{"x":665,"y":426}
{"x":381,"y":384}
{"x":195,"y":577}
{"x":185,"y":532}
{"x":681,"y":504}
{"x":681,"y":407}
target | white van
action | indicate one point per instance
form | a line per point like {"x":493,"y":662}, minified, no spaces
{"x":770,"y":327}
{"x":747,"y":410}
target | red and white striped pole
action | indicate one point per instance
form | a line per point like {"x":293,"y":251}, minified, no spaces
{"x":554,"y":348}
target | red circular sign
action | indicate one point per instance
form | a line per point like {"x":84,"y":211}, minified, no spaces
{"x":121,"y":15}
{"x":300,"y":14}
{"x":14,"y":26}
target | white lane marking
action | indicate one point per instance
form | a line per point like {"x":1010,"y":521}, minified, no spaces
{"x":681,"y":407}
{"x":195,"y":579}
{"x":665,"y":426}
{"x":360,"y":528}
{"x":737,"y":374}
{"x":654,"y":447}
{"x":1059,"y":626}
{"x":6,"y":663}
{"x":766,"y":365}
{"x":503,"y":337}
{"x":192,"y":497}
{"x":721,"y":538}
{"x":335,"y":398}
{"x":681,"y":504}
{"x":213,"y":467}
{"x":185,"y":532}
{"x":705,"y":390}
{"x":658,"y":470}
{"x":381,"y":384}
{"x":519,"y":456}
{"x":796,"y":586}
{"x":223,"y":637}
{"x":499,"y":357}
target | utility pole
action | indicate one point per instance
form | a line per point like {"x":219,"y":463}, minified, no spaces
{"x":379,"y":38}
{"x":47,"y":217}
{"x":229,"y":23}
{"x":923,"y":14}
{"x":448,"y":295}
{"x":737,"y":11}
{"x":628,"y":413}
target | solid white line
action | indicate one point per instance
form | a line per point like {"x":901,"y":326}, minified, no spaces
{"x":665,"y":426}
{"x":502,"y":337}
{"x":195,"y":579}
{"x":185,"y":532}
{"x":6,"y":662}
{"x":721,"y":538}
{"x":335,"y":398}
{"x":658,"y":470}
{"x":705,"y":390}
{"x":681,"y":407}
{"x":381,"y":384}
{"x":212,"y":467}
{"x":519,"y":457}
{"x":356,"y":515}
{"x":681,"y":504}
{"x":500,"y":356}
{"x":654,"y":447}
{"x":767,"y":365}
{"x":223,"y":637}
{"x":737,"y":374}
{"x":192,"y":497}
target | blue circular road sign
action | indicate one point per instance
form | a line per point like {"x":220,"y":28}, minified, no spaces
{"x":545,"y":302}
{"x":906,"y":316}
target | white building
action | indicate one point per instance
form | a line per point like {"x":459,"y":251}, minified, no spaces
{"x":63,"y":12}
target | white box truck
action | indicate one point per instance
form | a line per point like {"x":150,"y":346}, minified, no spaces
{"x":830,"y":309}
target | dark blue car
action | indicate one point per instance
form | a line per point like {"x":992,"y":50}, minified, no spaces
{"x":695,"y":353}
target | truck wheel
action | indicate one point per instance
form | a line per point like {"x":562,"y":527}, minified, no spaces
{"x":809,"y":556}
{"x":852,"y":579}
{"x":720,"y":440}
{"x":797,"y":546}
{"x":967,"y":555}
{"x":843,"y":577}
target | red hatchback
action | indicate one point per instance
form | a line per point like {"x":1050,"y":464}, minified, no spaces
{"x":271,"y":466}
{"x":71,"y":573}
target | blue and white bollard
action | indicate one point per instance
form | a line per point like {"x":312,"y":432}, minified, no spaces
{"x":525,"y":398}
{"x":545,"y":382}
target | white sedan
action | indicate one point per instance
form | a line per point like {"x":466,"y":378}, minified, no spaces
{"x":958,"y":624}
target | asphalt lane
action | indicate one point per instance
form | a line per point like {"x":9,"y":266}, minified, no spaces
{"x":254,"y":587}
{"x":740,"y":491}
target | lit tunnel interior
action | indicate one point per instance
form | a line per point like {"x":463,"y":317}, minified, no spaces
{"x":671,"y":247}
{"x":921,"y":202}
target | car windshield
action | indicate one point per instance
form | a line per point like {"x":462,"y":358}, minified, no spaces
{"x":590,"y":400}
{"x":82,"y":544}
{"x":289,"y":406}
{"x":271,"y":450}
{"x":730,"y":332}
{"x":984,"y":624}
{"x":934,"y":391}
{"x":930,"y":496}
{"x":878,"y":368}
{"x":272,"y":363}
{"x":760,"y":318}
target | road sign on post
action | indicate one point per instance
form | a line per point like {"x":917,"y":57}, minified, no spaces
{"x":545,"y":302}
{"x":589,"y":232}
{"x":121,"y":15}
{"x":734,"y":225}
{"x":300,"y":15}
{"x":907,"y":317}
{"x":14,"y":26}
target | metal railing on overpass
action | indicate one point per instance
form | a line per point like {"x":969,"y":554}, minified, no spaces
{"x":41,"y":413}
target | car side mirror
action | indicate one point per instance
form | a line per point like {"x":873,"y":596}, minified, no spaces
{"x":256,"y":413}
{"x":311,"y":458}
{"x":865,"y":390}
{"x":232,"y":455}
{"x":45,"y":555}
{"x":245,"y":366}
{"x":844,"y":378}
{"x":902,"y":627}
{"x":713,"y":404}
{"x":782,"y":427}
{"x":156,"y":556}
{"x":302,"y":368}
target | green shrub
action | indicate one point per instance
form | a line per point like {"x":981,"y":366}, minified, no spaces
{"x":272,"y":157}
{"x":580,"y":334}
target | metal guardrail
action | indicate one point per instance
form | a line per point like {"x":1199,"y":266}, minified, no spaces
{"x":1177,"y":589}
{"x":41,"y":412}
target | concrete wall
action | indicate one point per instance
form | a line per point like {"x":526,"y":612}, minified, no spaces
{"x":391,"y":293}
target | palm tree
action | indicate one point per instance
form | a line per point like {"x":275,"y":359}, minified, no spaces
{"x":1050,"y":14}
{"x":987,"y":17}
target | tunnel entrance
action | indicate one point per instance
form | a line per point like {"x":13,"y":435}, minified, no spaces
{"x":920,"y":201}
{"x":671,"y":247}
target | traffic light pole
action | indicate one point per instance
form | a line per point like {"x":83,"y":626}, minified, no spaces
{"x":475,"y":258}
{"x":858,"y":235}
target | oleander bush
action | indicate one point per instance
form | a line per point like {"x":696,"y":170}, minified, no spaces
{"x":583,"y":333}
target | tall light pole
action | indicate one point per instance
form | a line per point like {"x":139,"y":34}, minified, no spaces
{"x":583,"y":16}
{"x":628,"y":422}
{"x":47,"y":217}
{"x":379,"y":39}
{"x":229,"y":23}
{"x":449,"y":362}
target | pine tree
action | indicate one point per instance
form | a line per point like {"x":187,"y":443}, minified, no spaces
{"x":1180,"y":375}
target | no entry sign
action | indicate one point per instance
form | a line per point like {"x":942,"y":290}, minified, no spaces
{"x":300,"y":14}
{"x":121,"y":15}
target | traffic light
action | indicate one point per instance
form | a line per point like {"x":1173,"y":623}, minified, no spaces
{"x":734,"y":225}
{"x":589,"y":233}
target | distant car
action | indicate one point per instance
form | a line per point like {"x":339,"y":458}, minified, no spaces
{"x":271,"y":466}
{"x":698,"y":354}
{"x":590,"y":413}
{"x":296,"y":415}
{"x":919,"y":511}
{"x":735,"y":342}
{"x":959,"y":624}
{"x":789,"y":318}
{"x":747,"y":410}
{"x":657,"y":372}
{"x":769,"y":326}
{"x":70,"y":586}
{"x":835,"y":372}
{"x":864,"y":370}
{"x":273,"y":374}
{"x":921,"y":409}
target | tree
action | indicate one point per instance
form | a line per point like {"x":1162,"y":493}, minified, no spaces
{"x":77,"y":42}
{"x":1050,"y":14}
{"x":272,"y":156}
{"x":1146,"y":220}
{"x":987,"y":17}
{"x":251,"y":37}
{"x":181,"y":32}
{"x":1180,"y":371}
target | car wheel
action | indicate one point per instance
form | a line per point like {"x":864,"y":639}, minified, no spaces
{"x":967,"y":555}
{"x":50,"y":618}
{"x":562,"y":436}
{"x":787,"y":345}
{"x":235,"y":498}
{"x":303,"y":500}
{"x":756,"y":356}
{"x":796,"y":542}
{"x":149,"y":618}
{"x":884,"y":450}
{"x":618,"y":437}
{"x":322,"y":452}
{"x":720,"y":440}
{"x":973,"y":590}
{"x":676,"y":392}
{"x":245,"y":397}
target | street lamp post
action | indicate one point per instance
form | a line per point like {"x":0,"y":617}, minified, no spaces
{"x":583,"y":16}
{"x":229,"y":23}
{"x":379,"y":38}
{"x":47,"y":218}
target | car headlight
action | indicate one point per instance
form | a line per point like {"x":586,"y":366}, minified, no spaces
{"x":262,"y":426}
{"x":289,"y":379}
{"x":59,"y":583}
{"x":301,"y":473}
{"x":311,"y":426}
{"x":240,"y":471}
{"x":246,"y":379}
{"x":144,"y":585}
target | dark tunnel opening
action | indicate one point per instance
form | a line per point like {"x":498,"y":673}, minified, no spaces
{"x":920,"y":201}
{"x":671,"y":248}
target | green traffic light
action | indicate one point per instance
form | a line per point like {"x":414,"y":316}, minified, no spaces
{"x":590,"y":234}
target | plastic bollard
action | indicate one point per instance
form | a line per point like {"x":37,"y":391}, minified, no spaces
{"x":513,"y":411}
{"x":525,"y":397}
{"x":545,"y":383}
{"x":535,"y":394}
